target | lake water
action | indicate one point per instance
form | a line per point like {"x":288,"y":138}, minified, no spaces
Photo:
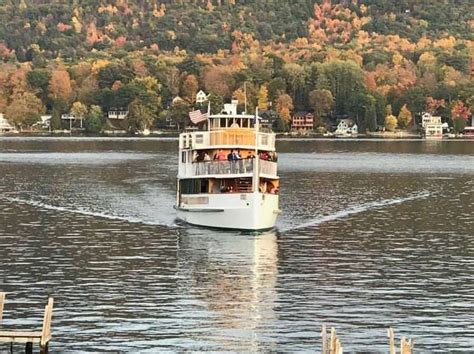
{"x":373,"y":234}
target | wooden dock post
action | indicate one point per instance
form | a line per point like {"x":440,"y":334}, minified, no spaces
{"x":324,"y":336}
{"x":335,"y":344}
{"x":391,"y":335}
{"x":2,"y":302}
{"x":30,"y":337}
{"x":406,"y":346}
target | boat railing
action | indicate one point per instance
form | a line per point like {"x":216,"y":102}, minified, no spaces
{"x":268,"y":167}
{"x":223,"y":167}
{"x":237,"y":167}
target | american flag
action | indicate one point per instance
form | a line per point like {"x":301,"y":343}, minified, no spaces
{"x":197,"y":116}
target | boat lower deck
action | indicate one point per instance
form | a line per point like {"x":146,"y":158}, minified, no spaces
{"x":244,"y":211}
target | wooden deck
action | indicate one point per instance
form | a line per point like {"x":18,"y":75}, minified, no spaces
{"x":29,"y":337}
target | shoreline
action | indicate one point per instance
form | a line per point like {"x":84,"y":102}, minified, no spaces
{"x":279,"y":136}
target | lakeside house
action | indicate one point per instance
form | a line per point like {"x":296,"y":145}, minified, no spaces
{"x":267,"y":118}
{"x":44,"y":122}
{"x":302,"y":121}
{"x":72,"y":119}
{"x":177,"y":100}
{"x":117,"y":114}
{"x":432,"y":126}
{"x":346,"y":127}
{"x":201,"y":97}
{"x":469,"y":130}
{"x":5,"y":126}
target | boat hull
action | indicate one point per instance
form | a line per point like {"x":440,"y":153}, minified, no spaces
{"x":242,"y":211}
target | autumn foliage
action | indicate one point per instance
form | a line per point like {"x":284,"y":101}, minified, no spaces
{"x":336,"y":58}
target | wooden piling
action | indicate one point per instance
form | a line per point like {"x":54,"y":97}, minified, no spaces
{"x":324,"y":335}
{"x":30,"y":337}
{"x":2,"y":302}
{"x":391,"y":335}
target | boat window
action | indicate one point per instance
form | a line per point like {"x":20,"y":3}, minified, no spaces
{"x":222,"y":122}
{"x":264,"y":139}
{"x":199,"y":138}
{"x":183,"y":156}
{"x":190,"y":186}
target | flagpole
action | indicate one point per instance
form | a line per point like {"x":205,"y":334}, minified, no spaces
{"x":245,"y":94}
{"x":208,"y":114}
{"x":256,"y":164}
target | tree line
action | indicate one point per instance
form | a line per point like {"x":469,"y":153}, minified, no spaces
{"x":381,"y":64}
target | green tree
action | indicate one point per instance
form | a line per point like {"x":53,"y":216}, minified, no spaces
{"x":38,"y":80}
{"x":179,"y":113}
{"x":139,"y":116}
{"x":280,"y":125}
{"x":112,"y":73}
{"x":275,"y":88}
{"x":56,"y":120}
{"x":94,"y":120}
{"x":345,"y":80}
{"x":216,"y":102}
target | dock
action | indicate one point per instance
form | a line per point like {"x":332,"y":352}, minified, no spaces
{"x":29,"y":337}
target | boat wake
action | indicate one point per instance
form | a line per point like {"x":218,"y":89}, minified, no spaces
{"x":81,"y":211}
{"x":359,"y":209}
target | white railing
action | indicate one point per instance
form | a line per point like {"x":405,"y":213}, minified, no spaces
{"x":244,"y":166}
{"x":267,"y":167}
{"x":222,"y":167}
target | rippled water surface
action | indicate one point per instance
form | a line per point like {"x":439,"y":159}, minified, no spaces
{"x":373,"y":234}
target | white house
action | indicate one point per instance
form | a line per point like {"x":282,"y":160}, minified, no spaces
{"x":433,"y":127}
{"x":44,"y":122}
{"x":117,"y":114}
{"x":346,"y":127}
{"x":201,"y":97}
{"x":71,"y":118}
{"x":4,"y":125}
{"x":177,"y":100}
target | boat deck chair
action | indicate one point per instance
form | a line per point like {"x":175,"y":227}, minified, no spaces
{"x":29,"y":337}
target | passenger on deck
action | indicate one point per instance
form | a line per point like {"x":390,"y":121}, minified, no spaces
{"x":220,"y":155}
{"x":237,"y":155}
{"x":250,"y":155}
{"x":264,"y":156}
{"x":231,"y":156}
{"x":206,"y":157}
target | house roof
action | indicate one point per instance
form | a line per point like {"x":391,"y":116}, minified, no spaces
{"x":301,"y":114}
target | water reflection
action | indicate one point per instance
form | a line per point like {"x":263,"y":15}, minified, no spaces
{"x":236,"y":276}
{"x":372,"y":233}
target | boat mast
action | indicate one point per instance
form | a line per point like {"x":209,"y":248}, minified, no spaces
{"x":256,"y":159}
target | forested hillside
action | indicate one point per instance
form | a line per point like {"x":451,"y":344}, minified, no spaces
{"x":365,"y":59}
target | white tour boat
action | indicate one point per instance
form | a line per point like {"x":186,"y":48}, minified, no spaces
{"x":227,"y":175}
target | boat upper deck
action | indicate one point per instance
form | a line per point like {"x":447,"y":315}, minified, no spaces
{"x":243,"y":138}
